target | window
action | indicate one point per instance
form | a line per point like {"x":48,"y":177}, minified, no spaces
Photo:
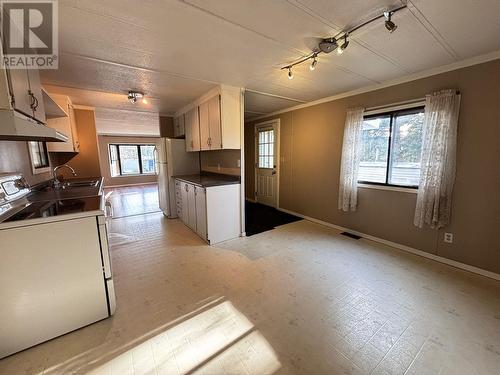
{"x":130,"y":160}
{"x":266,"y":148}
{"x":39,"y":157}
{"x":391,"y":148}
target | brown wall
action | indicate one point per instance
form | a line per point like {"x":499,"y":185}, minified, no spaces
{"x":86,"y":162}
{"x":311,"y":141}
{"x":166,"y":127}
{"x":221,"y":161}
{"x":104,"y":141}
{"x":15,"y":157}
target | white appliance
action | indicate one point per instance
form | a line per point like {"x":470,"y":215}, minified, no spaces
{"x":55,"y":266}
{"x":172,"y":160}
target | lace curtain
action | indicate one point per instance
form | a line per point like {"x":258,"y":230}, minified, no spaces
{"x":351,"y":155}
{"x":439,"y":145}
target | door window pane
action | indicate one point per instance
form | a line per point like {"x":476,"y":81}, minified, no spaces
{"x":129,"y":157}
{"x":406,"y":149}
{"x":375,"y":149}
{"x":266,"y":148}
{"x":148,"y":158}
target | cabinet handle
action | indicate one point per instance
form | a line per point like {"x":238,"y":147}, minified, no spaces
{"x":192,"y":145}
{"x":186,"y":187}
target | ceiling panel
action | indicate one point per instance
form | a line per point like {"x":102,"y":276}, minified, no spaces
{"x":114,"y":121}
{"x":411,"y":45}
{"x":175,"y":51}
{"x":344,"y":14}
{"x":171,"y":92}
{"x":470,"y":27}
{"x":257,"y":103}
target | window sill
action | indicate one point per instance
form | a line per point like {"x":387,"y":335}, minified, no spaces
{"x":390,"y":188}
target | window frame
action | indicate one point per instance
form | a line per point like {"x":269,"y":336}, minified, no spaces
{"x":392,"y":114}
{"x":139,"y":156}
{"x":45,"y":150}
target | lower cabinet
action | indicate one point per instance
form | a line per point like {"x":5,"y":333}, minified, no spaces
{"x":212,"y":212}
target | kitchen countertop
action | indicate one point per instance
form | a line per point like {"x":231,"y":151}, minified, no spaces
{"x":209,"y":179}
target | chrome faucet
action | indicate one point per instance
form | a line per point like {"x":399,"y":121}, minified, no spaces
{"x":57,"y":183}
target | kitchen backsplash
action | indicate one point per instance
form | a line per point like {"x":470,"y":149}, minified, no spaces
{"x":221,"y":161}
{"x":15,"y":157}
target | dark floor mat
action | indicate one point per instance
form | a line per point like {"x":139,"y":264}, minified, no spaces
{"x":260,"y":218}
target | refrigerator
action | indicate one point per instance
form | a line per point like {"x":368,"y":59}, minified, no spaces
{"x":172,"y":159}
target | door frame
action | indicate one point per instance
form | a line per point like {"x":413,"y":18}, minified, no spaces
{"x":276,"y":123}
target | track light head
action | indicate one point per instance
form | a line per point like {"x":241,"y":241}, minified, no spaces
{"x":313,"y":63}
{"x":341,"y":49}
{"x":290,"y":73}
{"x":328,"y":45}
{"x":389,"y":25}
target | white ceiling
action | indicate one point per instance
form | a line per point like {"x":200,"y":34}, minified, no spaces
{"x":175,"y":51}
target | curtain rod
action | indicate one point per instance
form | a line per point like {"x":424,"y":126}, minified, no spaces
{"x":411,"y":101}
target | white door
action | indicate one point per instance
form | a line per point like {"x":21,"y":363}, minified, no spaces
{"x":201,"y":212}
{"x":266,"y":168}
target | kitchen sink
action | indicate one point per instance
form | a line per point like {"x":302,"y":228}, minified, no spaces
{"x":90,"y":183}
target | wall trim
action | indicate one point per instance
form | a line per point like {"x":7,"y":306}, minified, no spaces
{"x":140,"y":183}
{"x":437,"y":258}
{"x":393,"y":82}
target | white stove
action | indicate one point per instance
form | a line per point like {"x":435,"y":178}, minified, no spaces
{"x":55,"y":266}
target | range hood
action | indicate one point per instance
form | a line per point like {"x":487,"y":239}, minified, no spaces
{"x":16,"y":127}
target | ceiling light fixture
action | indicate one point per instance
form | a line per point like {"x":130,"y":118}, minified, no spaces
{"x":134,"y":96}
{"x":389,"y":25}
{"x":313,"y":63}
{"x":328,"y":45}
{"x":341,"y":49}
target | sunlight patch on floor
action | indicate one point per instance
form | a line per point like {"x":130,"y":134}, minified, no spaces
{"x":217,"y":340}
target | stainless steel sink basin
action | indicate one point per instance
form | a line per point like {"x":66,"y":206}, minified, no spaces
{"x":91,"y":183}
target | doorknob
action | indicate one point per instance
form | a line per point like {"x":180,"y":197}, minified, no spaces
{"x":273,"y":172}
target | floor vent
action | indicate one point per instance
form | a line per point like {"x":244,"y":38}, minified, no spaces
{"x":350,"y":235}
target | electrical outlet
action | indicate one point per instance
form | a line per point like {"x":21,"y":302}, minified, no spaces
{"x":448,"y":237}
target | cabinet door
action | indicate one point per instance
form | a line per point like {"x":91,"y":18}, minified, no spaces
{"x":214,"y":123}
{"x":201,"y":212}
{"x":184,"y":203}
{"x":176,"y":127}
{"x":204,"y":127}
{"x":182,"y":130}
{"x":192,"y":130}
{"x":74,"y":130}
{"x":191,"y":207}
{"x":36,"y":91}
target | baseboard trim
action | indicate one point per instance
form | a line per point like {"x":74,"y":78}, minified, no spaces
{"x":138,"y":184}
{"x":251,"y":200}
{"x":437,"y":258}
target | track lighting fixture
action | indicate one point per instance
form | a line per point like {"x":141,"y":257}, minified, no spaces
{"x":341,"y":49}
{"x":328,"y":45}
{"x":313,"y":63}
{"x":389,"y":25}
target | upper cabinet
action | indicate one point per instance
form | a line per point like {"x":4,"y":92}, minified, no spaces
{"x":213,"y":122}
{"x":179,"y":127}
{"x":65,"y":124}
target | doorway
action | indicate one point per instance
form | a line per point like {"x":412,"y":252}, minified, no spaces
{"x":267,"y":135}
